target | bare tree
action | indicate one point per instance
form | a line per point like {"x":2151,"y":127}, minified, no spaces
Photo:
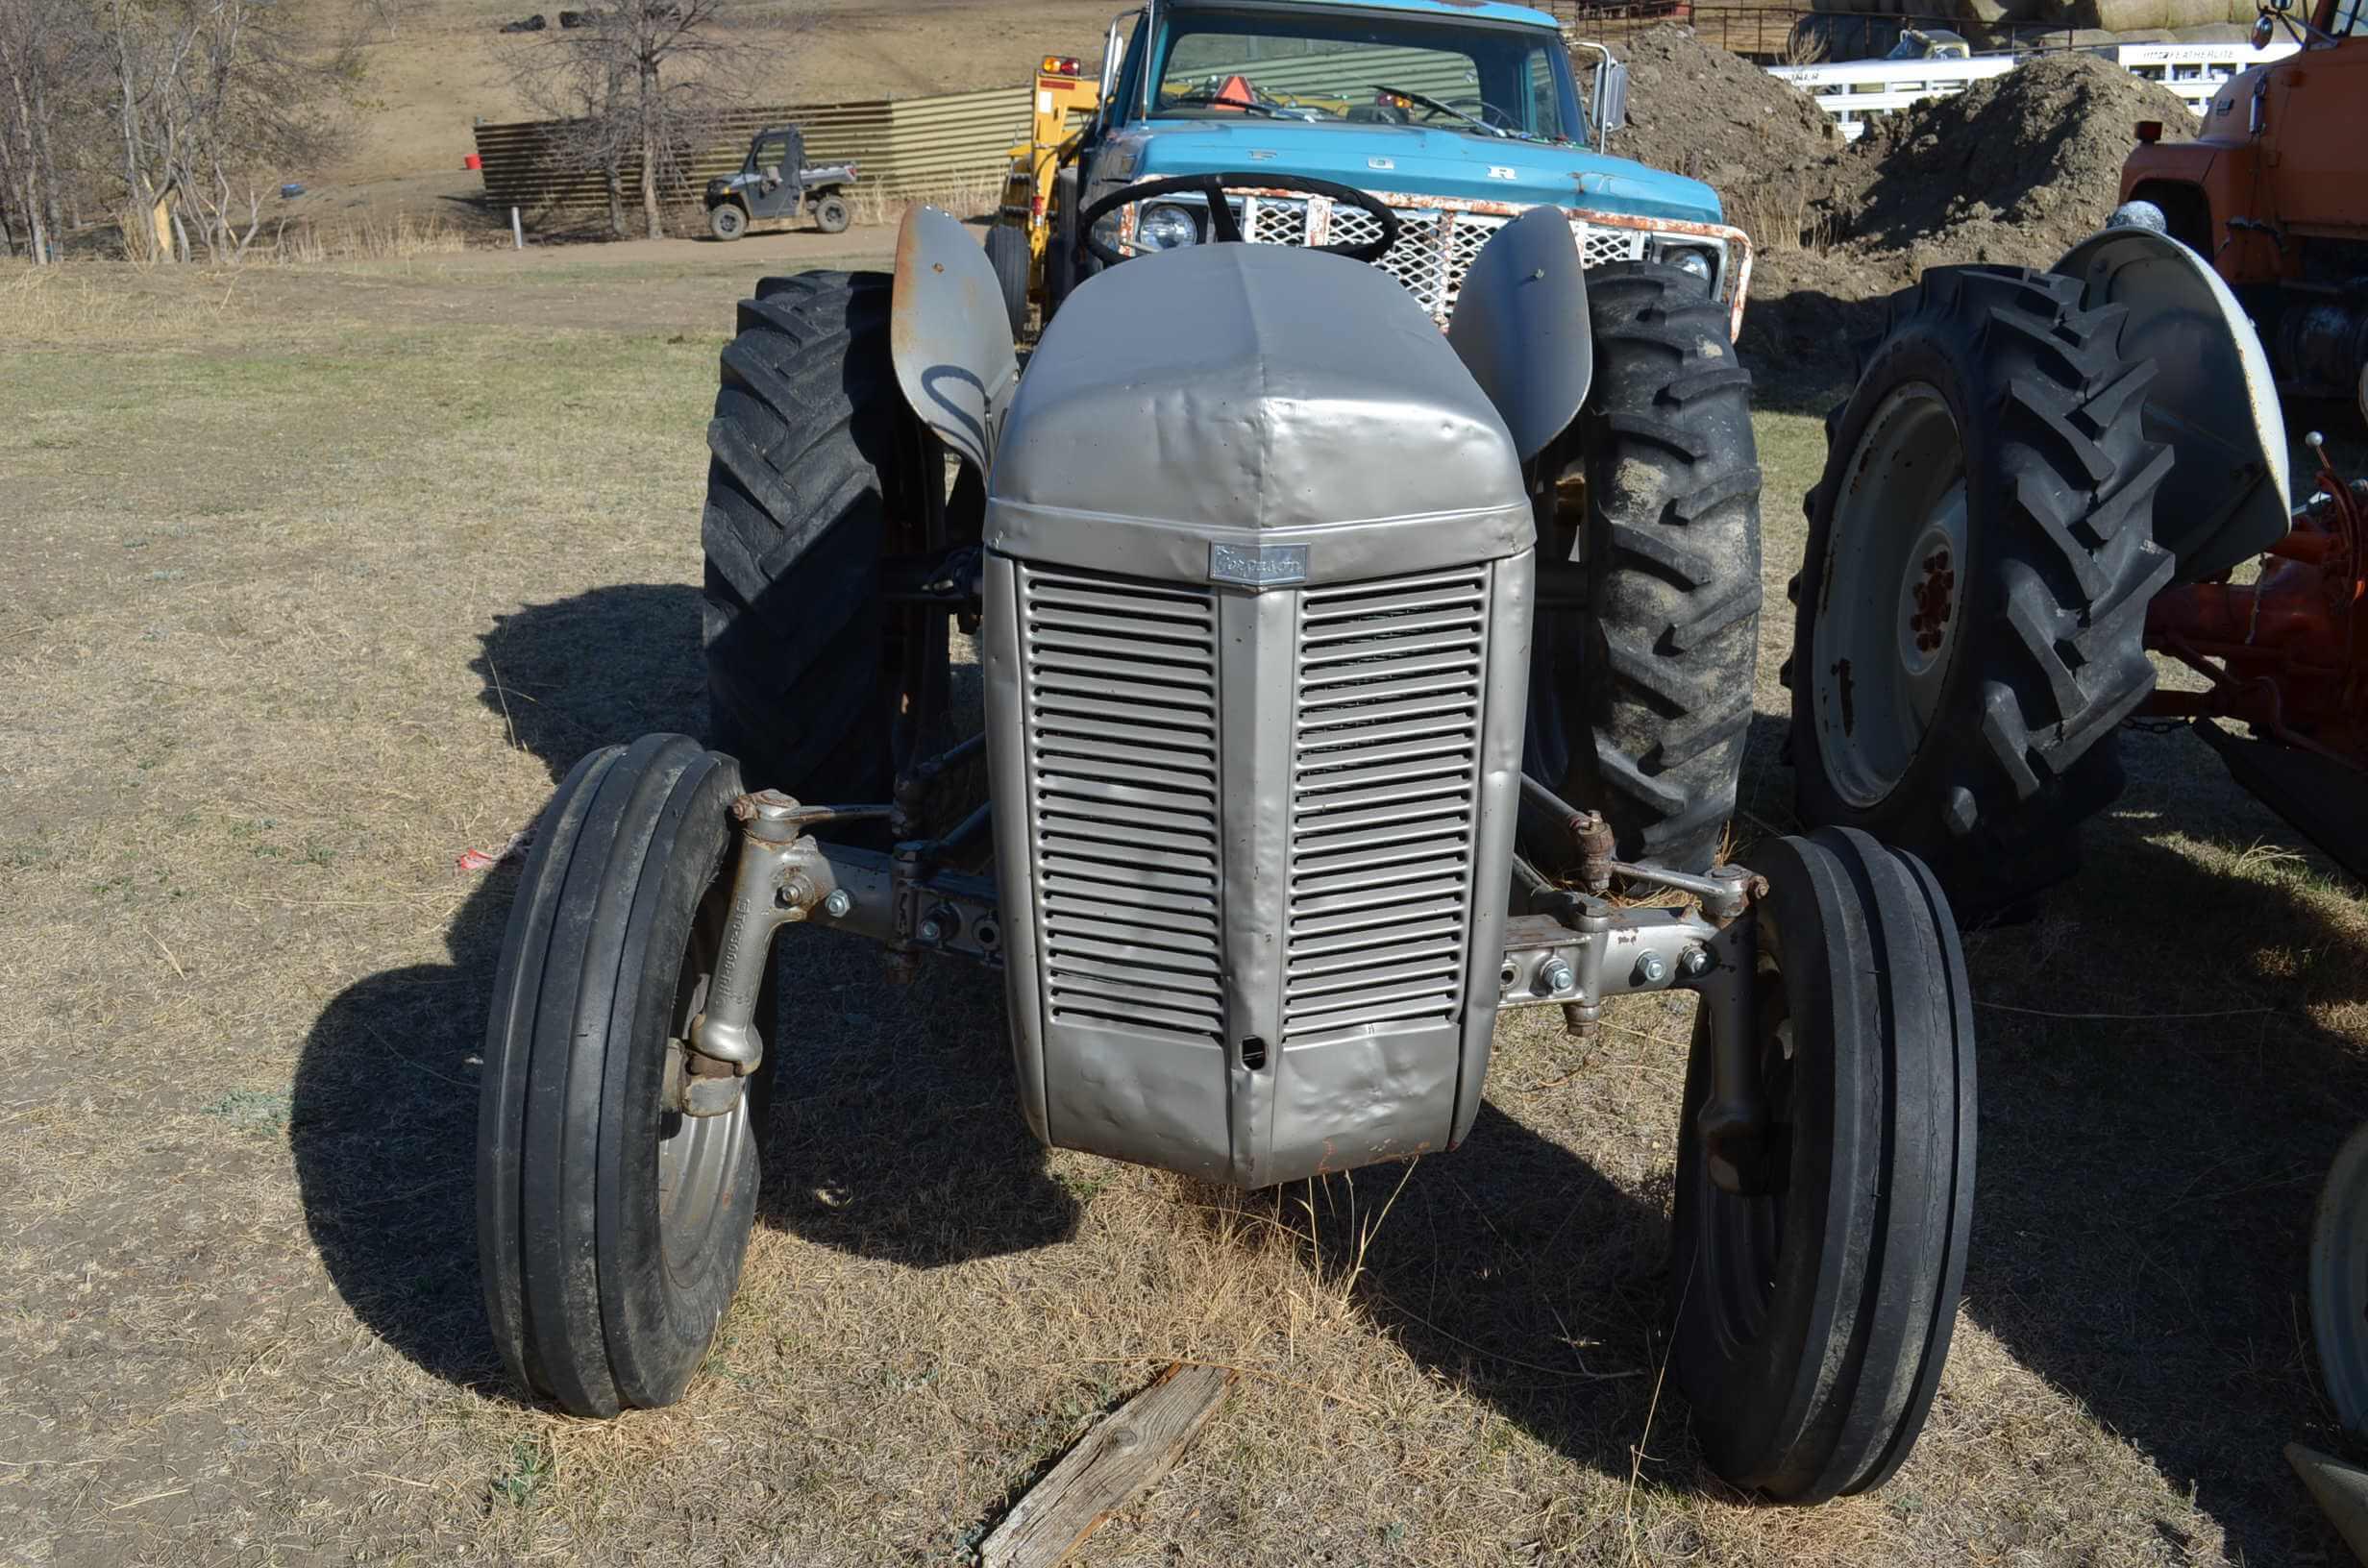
{"x":45,"y":46}
{"x":640,"y":83}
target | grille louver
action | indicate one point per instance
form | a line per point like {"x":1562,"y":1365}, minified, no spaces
{"x":1436,"y":246}
{"x":1384,"y":765}
{"x":1122,"y":704}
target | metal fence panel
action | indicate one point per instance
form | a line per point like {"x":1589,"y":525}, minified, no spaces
{"x":902,"y":147}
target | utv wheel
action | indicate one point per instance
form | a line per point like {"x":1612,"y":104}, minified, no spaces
{"x":1642,"y":695}
{"x":726,"y":221}
{"x":610,"y":1229}
{"x":817,"y":464}
{"x":1971,"y":613}
{"x":1007,"y":252}
{"x":1813,"y":1320}
{"x":830,"y":215}
{"x":2340,"y":1283}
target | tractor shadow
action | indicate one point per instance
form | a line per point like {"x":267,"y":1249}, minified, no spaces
{"x":899,"y":1112}
{"x":1512,"y":1268}
{"x":2147,"y":1184}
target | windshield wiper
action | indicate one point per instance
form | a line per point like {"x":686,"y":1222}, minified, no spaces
{"x":1431,"y":103}
{"x":1204,"y":100}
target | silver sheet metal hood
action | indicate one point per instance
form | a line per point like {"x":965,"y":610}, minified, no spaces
{"x":1255,"y":637}
{"x":1255,"y":393}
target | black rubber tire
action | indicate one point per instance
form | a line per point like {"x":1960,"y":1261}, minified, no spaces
{"x":1009,"y":254}
{"x":1811,"y":1371}
{"x":620,"y":898}
{"x":2061,"y":564}
{"x":1657,"y":667}
{"x":726,"y":221}
{"x":810,"y":449}
{"x":830,"y":214}
{"x":1062,"y":253}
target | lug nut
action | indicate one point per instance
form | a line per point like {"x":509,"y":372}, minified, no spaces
{"x":1555,"y":977}
{"x":1652,"y":968}
{"x":837,"y":905}
{"x":1694,"y":961}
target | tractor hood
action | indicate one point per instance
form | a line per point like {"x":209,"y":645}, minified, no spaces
{"x":1413,"y":160}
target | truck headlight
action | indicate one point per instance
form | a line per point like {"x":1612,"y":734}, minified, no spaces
{"x":1693,"y":263}
{"x":1165,"y":229}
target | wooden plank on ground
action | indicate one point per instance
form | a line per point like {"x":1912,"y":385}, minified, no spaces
{"x":1117,"y":1461}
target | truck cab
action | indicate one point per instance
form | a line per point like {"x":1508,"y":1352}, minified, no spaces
{"x":2273,"y":190}
{"x":1459,"y":114}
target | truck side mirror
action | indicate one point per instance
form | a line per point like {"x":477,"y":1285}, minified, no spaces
{"x":1611,"y":99}
{"x":2264,"y":30}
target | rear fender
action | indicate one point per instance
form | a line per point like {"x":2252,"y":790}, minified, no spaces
{"x":2229,"y":496}
{"x":951,"y":336}
{"x":1521,"y":327}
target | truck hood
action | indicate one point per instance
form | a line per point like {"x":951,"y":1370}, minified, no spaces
{"x":1416,"y":162}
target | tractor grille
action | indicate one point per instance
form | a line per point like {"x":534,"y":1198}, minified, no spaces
{"x":1385,"y":756}
{"x":1434,"y":245}
{"x":1119,"y":679}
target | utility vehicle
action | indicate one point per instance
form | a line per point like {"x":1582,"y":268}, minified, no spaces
{"x":777,"y":184}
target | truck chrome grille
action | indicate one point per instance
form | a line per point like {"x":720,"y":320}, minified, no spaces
{"x":1120,"y":686}
{"x":1435,"y":247}
{"x":1385,"y":759}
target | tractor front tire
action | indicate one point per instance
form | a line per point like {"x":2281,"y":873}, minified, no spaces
{"x":830,"y":214}
{"x":611,"y":1227}
{"x":1970,"y":619}
{"x":726,"y":220}
{"x":810,"y":448}
{"x":1813,"y":1315}
{"x":1641,"y":701}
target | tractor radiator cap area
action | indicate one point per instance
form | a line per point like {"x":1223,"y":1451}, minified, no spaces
{"x":1255,"y":396}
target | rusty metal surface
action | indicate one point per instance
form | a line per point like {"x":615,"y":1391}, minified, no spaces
{"x":950,"y":335}
{"x":778,"y":878}
{"x":1732,"y":285}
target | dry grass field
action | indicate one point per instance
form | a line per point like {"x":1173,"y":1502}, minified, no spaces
{"x":318,"y":577}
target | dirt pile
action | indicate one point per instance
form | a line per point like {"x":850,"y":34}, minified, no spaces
{"x":1695,"y":109}
{"x":2014,"y":170}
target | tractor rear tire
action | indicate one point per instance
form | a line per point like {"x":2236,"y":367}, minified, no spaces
{"x":611,"y":1227}
{"x":811,"y":449}
{"x":1642,"y":701}
{"x":830,"y":214}
{"x":1813,"y":1319}
{"x":1971,"y":612}
{"x":1007,"y":252}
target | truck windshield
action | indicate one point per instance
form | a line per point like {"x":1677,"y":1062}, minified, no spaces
{"x":2349,"y":19}
{"x":1504,"y":81}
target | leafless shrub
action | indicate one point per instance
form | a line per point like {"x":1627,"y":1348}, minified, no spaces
{"x":640,"y":87}
{"x":1779,"y":217}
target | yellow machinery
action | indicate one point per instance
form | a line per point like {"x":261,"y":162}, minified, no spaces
{"x":1065,"y":99}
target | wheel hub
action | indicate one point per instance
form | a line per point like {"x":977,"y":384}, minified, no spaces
{"x":1892,"y":594}
{"x":1927,"y":596}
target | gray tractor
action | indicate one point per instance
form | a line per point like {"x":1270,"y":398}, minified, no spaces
{"x":1249,"y":561}
{"x":777,"y":184}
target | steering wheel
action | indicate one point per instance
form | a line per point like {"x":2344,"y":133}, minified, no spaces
{"x":1225,"y":228}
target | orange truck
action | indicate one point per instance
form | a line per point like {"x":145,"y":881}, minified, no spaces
{"x":2275,"y":193}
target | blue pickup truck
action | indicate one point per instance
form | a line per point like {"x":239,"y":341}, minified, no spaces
{"x":1458,"y":114}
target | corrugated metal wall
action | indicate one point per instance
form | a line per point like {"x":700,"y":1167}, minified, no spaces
{"x":905,"y":147}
